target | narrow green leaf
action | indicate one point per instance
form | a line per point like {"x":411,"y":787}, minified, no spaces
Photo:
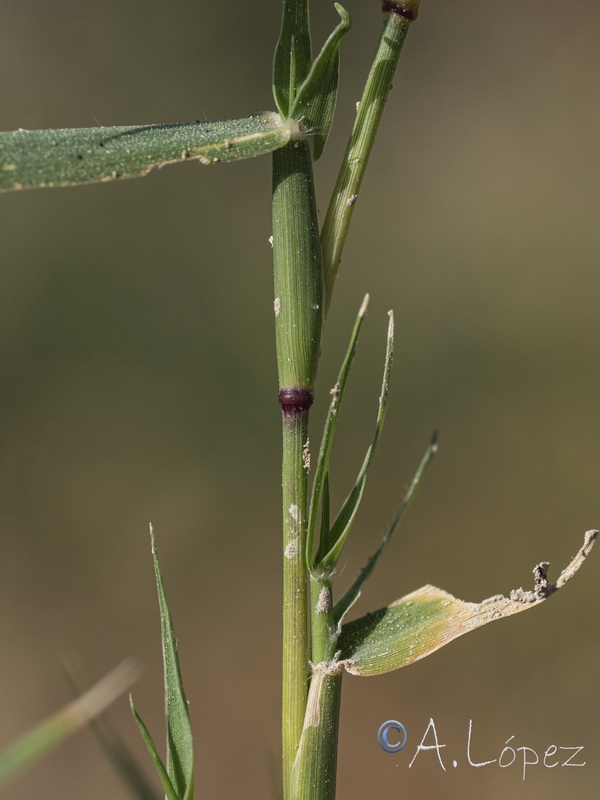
{"x":71,"y":156}
{"x":292,"y":55}
{"x":353,"y":593}
{"x":124,"y":761}
{"x":35,"y":744}
{"x":315,"y":102}
{"x":427,"y":619}
{"x":331,"y":548}
{"x":325,"y":507}
{"x":397,"y":20}
{"x":320,"y":488}
{"x":169,"y":791}
{"x":180,"y":756}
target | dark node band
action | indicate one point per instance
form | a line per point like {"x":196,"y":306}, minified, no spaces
{"x":295,"y":401}
{"x":401,"y":10}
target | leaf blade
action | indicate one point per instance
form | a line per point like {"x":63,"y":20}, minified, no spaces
{"x":292,"y":54}
{"x":316,"y":98}
{"x":75,"y":156}
{"x":180,"y":755}
{"x":352,"y":594}
{"x":429,"y":618}
{"x":328,"y":556}
{"x":320,"y":487}
{"x":161,"y":770}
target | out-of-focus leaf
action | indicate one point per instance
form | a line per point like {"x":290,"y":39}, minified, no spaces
{"x":119,"y":754}
{"x":316,"y":98}
{"x":30,"y":747}
{"x":427,"y":619}
{"x":71,"y":156}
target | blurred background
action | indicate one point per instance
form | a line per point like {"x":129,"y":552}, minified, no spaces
{"x":139,"y":385}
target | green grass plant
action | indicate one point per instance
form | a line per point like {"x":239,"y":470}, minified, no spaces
{"x":319,"y":645}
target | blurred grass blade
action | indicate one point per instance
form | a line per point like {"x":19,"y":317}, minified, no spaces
{"x":124,"y":761}
{"x":180,"y":756}
{"x":161,"y":770}
{"x":71,"y":156}
{"x":353,"y":593}
{"x":33,"y":745}
{"x":316,"y":98}
{"x":330,"y":549}
{"x":429,"y":618}
{"x":292,"y":55}
{"x":113,"y":745}
{"x":320,"y":488}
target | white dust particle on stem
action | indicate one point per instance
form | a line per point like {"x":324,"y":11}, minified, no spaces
{"x":306,"y":455}
{"x":335,"y":393}
{"x":291,"y":549}
{"x":324,"y":601}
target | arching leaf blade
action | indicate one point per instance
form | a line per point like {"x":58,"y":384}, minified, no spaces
{"x":429,"y":618}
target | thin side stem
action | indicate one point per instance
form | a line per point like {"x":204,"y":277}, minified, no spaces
{"x":398,"y":18}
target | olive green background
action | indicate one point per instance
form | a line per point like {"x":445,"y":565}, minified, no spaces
{"x":139,"y":384}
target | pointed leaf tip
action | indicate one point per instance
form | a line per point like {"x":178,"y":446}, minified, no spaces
{"x":330,"y":550}
{"x":362,"y":311}
{"x":180,"y":757}
{"x":315,"y":102}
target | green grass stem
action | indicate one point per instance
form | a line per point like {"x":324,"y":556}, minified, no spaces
{"x":314,"y":774}
{"x":298,"y":322}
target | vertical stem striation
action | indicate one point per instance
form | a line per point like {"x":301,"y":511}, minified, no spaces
{"x":297,"y":266}
{"x":295,"y":623}
{"x":314,"y":774}
{"x":298,"y":322}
